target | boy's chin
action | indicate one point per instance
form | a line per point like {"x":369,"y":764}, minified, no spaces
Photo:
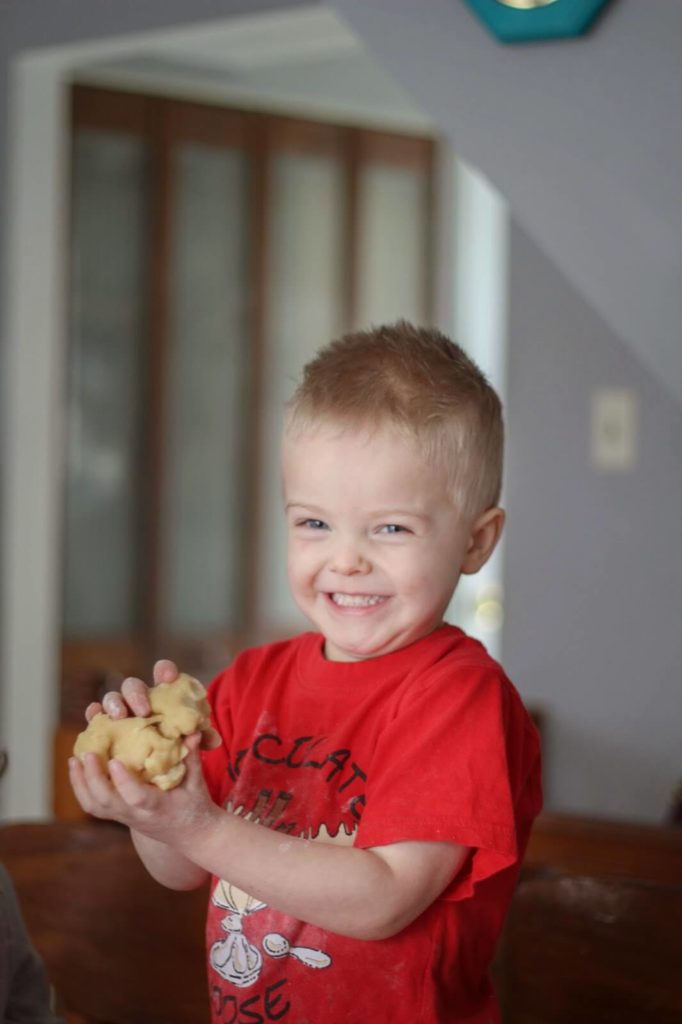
{"x":358,"y":651}
{"x":376,"y":647}
{"x":334,"y":651}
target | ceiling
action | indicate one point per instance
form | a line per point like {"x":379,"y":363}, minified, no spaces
{"x":304,"y":61}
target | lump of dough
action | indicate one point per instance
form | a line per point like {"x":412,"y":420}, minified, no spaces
{"x":151,"y":747}
{"x":181,"y":706}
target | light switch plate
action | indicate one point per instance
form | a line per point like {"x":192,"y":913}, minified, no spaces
{"x":615,"y":428}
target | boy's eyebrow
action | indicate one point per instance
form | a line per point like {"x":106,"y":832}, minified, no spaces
{"x":379,"y":513}
{"x":408,"y":513}
{"x":303,"y":504}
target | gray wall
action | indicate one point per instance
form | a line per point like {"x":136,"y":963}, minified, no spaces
{"x":581,"y":136}
{"x":594,"y":560}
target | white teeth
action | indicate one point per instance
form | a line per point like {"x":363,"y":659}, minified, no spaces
{"x":356,"y":600}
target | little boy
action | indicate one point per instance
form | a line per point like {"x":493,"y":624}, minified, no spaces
{"x":365,"y":816}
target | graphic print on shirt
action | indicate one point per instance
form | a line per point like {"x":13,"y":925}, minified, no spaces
{"x":236,"y":958}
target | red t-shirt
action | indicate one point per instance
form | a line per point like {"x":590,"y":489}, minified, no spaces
{"x":430,"y":742}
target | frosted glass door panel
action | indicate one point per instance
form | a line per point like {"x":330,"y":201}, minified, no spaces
{"x":391,"y":270}
{"x":107,"y":329}
{"x":304,"y":312}
{"x":203,"y":522}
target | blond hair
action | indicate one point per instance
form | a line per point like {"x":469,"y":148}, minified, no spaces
{"x":422,"y":382}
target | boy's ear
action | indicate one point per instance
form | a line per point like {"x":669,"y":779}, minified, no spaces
{"x":485,"y":533}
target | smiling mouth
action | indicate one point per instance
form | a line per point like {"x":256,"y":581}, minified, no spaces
{"x":357,"y":600}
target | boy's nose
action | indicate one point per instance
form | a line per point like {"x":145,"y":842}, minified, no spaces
{"x":348,"y":560}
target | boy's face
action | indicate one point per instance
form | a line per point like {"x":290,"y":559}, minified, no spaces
{"x":375,"y":544}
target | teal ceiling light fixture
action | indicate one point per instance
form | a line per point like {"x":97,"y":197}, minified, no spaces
{"x":524,"y":21}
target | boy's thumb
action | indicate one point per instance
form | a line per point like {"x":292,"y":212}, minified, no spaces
{"x":210,"y":739}
{"x":192,"y":761}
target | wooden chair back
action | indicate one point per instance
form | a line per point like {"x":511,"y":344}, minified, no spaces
{"x":594,"y":934}
{"x":118,"y":947}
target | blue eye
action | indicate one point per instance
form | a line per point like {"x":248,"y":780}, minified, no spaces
{"x":313,"y":524}
{"x":393,"y":528}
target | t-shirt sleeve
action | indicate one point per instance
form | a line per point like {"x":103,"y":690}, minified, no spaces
{"x":215,"y":763}
{"x":459,"y":762}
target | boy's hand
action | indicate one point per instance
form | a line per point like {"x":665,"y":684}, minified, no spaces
{"x":167,"y":816}
{"x":133,"y":699}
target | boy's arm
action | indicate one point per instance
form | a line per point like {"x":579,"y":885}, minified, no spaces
{"x":182,"y":835}
{"x":360,"y":893}
{"x":166,"y":865}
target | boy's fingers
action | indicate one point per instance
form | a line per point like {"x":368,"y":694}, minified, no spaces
{"x":133,"y":791}
{"x":165,"y":671}
{"x":90,"y":785}
{"x":77,"y":783}
{"x":93,"y":709}
{"x":96,"y":779}
{"x":134,"y":694}
{"x":114,"y":705}
{"x":210,"y":740}
{"x":193,"y":741}
{"x":193,"y":762}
